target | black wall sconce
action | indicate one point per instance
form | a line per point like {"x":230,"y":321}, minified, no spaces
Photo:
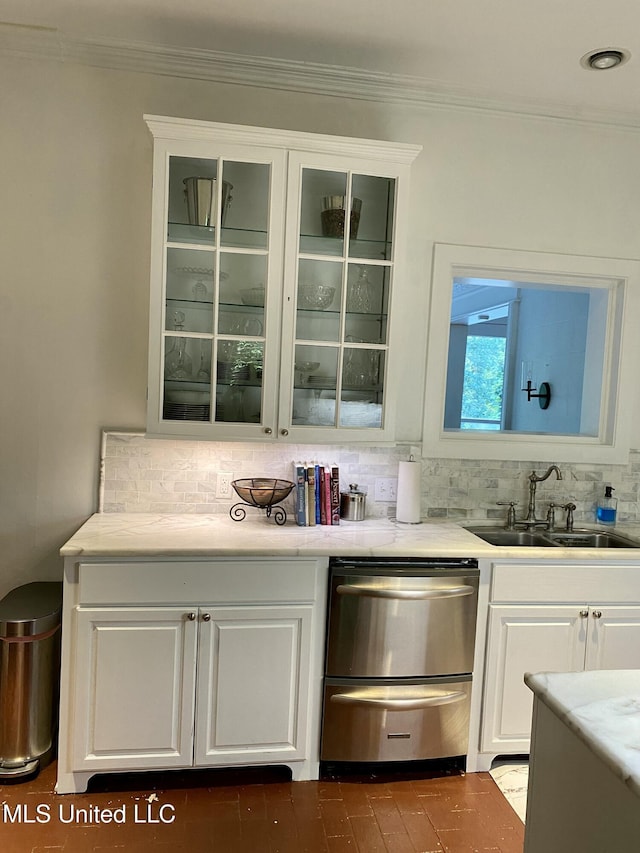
{"x":528,"y":384}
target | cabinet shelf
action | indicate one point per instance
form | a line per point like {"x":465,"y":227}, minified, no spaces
{"x":236,"y":238}
{"x":368,"y":390}
{"x":206,"y":304}
{"x":315,"y":244}
{"x":198,"y":304}
{"x":376,"y":316}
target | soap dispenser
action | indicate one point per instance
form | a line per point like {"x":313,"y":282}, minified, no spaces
{"x":607,"y":507}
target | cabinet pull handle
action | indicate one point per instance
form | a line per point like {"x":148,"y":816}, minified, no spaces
{"x":284,"y":432}
{"x":413,"y":703}
{"x":268,"y":430}
{"x":584,"y":613}
{"x":400,"y":594}
{"x":191,"y":617}
{"x":597,"y":614}
{"x":206,"y":617}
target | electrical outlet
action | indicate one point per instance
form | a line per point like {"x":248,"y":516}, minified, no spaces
{"x":386,"y":488}
{"x":223,"y":485}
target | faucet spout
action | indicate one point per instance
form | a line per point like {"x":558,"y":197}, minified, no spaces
{"x":534,"y":479}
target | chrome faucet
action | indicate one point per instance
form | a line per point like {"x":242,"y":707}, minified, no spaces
{"x":531,"y":520}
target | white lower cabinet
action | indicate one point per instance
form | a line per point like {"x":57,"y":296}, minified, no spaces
{"x":252,"y":673}
{"x":541,"y":635}
{"x":135,"y":682}
{"x":233,"y":682}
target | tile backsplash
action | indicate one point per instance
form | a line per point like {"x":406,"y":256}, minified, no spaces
{"x":140,"y":474}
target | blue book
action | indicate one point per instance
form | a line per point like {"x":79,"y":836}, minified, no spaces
{"x":301,"y":494}
{"x":318,"y":500}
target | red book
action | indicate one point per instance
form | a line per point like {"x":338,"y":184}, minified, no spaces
{"x":325,"y":510}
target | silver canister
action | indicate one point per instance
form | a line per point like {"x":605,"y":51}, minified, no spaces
{"x":200,"y":195}
{"x":353,"y":504}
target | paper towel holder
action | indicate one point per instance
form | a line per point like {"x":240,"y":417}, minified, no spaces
{"x":394,"y":518}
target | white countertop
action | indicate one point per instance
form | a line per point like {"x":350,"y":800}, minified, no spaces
{"x":138,"y":534}
{"x":603,"y":709}
{"x":142,"y":534}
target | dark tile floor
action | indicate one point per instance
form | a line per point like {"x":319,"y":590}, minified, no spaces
{"x":257,"y":812}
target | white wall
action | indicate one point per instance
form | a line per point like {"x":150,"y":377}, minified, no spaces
{"x":75,"y":174}
{"x":552,"y":331}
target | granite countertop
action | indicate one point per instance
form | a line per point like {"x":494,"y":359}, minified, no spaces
{"x":603,"y":709}
{"x":142,"y":534}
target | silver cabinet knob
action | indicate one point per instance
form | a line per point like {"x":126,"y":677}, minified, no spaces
{"x":584,"y":613}
{"x":268,"y":430}
{"x":284,"y":432}
{"x":597,"y":614}
{"x":191,"y":617}
{"x":206,"y":617}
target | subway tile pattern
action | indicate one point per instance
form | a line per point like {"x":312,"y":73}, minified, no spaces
{"x":140,"y":474}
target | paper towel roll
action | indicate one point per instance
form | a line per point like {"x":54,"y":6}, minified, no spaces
{"x":408,"y":503}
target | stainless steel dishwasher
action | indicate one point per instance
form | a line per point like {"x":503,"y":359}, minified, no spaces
{"x":399,"y":658}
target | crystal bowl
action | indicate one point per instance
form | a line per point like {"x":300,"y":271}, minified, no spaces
{"x":318,"y":296}
{"x":262,"y":491}
{"x":307,"y":366}
{"x":253,"y":296}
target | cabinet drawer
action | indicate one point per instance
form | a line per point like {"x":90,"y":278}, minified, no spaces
{"x":226,"y":581}
{"x":562,"y":582}
{"x":395,"y":721}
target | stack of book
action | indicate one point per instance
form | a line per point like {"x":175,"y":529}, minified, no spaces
{"x":317,"y":494}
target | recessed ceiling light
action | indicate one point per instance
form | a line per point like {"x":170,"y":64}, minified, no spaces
{"x":602,"y":60}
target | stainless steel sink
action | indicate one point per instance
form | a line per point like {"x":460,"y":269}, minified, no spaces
{"x":558,"y":539}
{"x":590,"y":539}
{"x":517,"y":538}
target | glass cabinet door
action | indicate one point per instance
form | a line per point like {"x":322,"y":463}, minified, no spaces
{"x":216,"y":258}
{"x":343,"y":290}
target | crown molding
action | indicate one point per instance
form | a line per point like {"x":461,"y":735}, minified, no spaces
{"x":288,"y":75}
{"x":165,"y":127}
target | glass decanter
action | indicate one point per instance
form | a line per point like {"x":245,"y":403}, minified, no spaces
{"x":360,"y":294}
{"x":177,"y":361}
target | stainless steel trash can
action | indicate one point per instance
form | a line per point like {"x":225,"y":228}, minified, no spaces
{"x":30,"y":618}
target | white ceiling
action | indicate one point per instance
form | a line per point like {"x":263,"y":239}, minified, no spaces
{"x":496,"y":51}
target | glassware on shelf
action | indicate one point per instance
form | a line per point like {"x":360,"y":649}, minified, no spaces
{"x":200,"y":291}
{"x":304,"y":370}
{"x":359,"y":300}
{"x":177,"y":361}
{"x":203,"y":374}
{"x":355,"y":367}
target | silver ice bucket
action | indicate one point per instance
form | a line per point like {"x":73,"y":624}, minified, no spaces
{"x":200,"y":194}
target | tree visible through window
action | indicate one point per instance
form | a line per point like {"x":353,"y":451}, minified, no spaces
{"x":483,"y":382}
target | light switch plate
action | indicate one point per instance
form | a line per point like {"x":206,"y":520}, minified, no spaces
{"x":386,"y":489}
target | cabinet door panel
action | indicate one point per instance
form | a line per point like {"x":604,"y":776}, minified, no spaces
{"x":216,"y":276}
{"x":613,"y":639}
{"x":525,"y":639}
{"x":253,"y":685}
{"x":134,"y":688}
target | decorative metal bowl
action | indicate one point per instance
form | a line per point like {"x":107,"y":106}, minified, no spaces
{"x":261,"y":492}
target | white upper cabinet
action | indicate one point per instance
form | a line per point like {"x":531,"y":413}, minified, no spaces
{"x":275,"y":257}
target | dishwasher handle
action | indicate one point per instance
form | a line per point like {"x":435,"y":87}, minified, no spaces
{"x":410,"y":703}
{"x":367,"y":591}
